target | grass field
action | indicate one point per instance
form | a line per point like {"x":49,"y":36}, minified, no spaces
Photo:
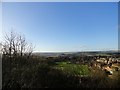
{"x":72,"y":69}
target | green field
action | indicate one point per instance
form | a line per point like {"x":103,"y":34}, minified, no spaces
{"x":72,"y":69}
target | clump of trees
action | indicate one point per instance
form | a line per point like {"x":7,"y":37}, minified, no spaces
{"x":16,"y":45}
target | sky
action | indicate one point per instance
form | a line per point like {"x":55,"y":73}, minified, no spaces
{"x":64,"y":26}
{"x":60,"y":0}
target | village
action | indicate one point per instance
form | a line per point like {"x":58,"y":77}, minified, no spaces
{"x":108,"y":64}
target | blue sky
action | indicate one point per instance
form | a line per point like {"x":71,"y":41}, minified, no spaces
{"x":62,"y":27}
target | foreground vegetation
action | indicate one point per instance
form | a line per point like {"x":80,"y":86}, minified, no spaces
{"x":22,"y":72}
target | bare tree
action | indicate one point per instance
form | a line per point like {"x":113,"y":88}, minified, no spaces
{"x":15,"y":44}
{"x":29,"y":49}
{"x":8,"y":43}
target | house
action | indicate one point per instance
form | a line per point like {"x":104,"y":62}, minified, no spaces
{"x":108,"y":70}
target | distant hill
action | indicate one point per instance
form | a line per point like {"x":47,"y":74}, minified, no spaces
{"x":56,"y":54}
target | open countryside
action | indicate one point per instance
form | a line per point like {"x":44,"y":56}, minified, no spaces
{"x":60,"y":45}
